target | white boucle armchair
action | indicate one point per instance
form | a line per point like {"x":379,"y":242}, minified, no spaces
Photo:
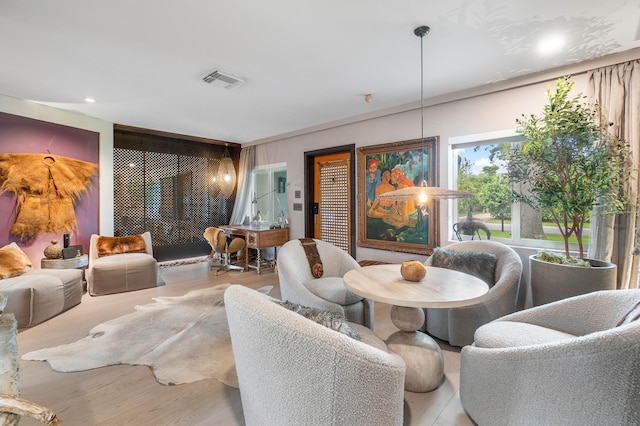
{"x":571,"y":362}
{"x":298,"y":285}
{"x":457,"y":325}
{"x":293,"y":371}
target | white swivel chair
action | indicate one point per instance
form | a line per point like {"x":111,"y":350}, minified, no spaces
{"x":457,"y":325}
{"x":571,"y":362}
{"x":294,"y":371}
{"x":298,"y":285}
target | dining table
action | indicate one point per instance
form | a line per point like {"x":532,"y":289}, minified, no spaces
{"x":440,"y":288}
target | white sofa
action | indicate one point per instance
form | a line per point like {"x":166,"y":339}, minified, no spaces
{"x":293,"y":371}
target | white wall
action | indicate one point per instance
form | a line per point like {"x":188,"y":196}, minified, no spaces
{"x":479,"y":114}
{"x":470,"y":116}
{"x":37,"y":111}
{"x":495,"y":108}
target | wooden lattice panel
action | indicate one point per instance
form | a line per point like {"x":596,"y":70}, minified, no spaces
{"x":334,"y":202}
{"x":170,"y":195}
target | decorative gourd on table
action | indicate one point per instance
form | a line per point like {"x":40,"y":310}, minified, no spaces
{"x":413,"y":270}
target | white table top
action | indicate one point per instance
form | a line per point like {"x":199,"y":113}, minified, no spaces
{"x":440,"y":288}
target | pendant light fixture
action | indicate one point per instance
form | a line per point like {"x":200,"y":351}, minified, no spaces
{"x":226,"y":176}
{"x":421,"y":194}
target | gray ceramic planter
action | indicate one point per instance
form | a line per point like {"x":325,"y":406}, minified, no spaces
{"x":551,"y":281}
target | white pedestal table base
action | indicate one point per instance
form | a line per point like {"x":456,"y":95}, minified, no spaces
{"x":421,"y":354}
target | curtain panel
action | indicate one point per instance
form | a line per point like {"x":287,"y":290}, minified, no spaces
{"x":617,"y":238}
{"x":242,"y":205}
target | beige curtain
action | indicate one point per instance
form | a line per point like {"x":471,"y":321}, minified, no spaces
{"x":242,"y":204}
{"x":616,"y":239}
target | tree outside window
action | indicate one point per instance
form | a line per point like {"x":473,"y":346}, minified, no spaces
{"x":480,"y":168}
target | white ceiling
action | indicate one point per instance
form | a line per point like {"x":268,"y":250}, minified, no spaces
{"x":306,"y":62}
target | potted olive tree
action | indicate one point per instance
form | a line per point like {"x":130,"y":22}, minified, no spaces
{"x":567,"y":164}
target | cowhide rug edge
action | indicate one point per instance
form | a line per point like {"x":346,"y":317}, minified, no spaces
{"x":182,"y":339}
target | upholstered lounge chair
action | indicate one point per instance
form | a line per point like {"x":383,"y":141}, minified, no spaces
{"x":298,"y":285}
{"x":124,"y":271}
{"x":457,"y":325}
{"x":293,"y":371}
{"x":571,"y":362}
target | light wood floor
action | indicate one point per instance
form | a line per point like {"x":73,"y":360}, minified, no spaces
{"x":129,"y":395}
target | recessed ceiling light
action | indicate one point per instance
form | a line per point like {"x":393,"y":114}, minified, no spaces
{"x":89,"y":100}
{"x":551,"y":44}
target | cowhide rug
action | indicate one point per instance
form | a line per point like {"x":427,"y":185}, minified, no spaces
{"x":183,"y":339}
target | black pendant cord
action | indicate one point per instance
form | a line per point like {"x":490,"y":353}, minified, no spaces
{"x":421,"y":90}
{"x":421,"y":32}
{"x":422,"y":102}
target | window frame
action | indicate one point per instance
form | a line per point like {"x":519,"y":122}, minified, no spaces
{"x":484,"y":139}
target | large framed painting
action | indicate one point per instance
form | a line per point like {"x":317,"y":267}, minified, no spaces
{"x":397,"y":225}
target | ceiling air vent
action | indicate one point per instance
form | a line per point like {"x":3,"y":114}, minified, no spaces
{"x":227,"y":80}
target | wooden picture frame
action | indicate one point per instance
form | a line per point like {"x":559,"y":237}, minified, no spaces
{"x":397,"y":225}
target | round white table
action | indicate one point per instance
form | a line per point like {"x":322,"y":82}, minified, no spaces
{"x":440,"y":288}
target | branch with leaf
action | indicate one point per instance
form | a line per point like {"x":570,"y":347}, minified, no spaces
{"x":569,"y":162}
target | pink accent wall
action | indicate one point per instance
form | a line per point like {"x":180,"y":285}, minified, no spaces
{"x":26,"y":135}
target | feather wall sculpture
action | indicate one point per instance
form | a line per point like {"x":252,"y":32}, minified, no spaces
{"x":46,"y":187}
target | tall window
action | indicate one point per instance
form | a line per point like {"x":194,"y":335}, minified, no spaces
{"x":477,"y":164}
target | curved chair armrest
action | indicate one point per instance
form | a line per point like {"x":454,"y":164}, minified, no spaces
{"x":581,"y":315}
{"x":347,"y":263}
{"x":503,"y":386}
{"x":147,"y":240}
{"x":502,"y":298}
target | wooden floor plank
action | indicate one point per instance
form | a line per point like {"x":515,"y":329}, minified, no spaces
{"x":130,"y":395}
